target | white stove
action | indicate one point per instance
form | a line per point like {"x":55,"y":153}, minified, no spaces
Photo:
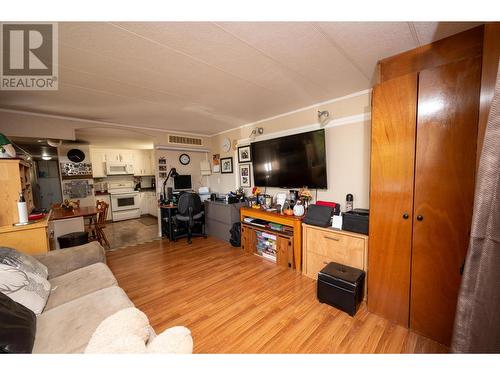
{"x":124,"y":200}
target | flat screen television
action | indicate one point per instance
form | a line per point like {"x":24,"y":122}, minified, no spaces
{"x":291,"y":162}
{"x":182,"y":182}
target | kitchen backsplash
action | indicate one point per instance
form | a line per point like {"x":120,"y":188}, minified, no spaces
{"x":72,"y":170}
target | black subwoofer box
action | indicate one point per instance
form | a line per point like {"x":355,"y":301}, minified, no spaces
{"x":341,"y":286}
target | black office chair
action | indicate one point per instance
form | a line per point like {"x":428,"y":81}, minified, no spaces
{"x":189,"y":211}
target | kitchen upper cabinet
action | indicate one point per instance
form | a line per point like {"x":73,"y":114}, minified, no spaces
{"x":142,"y":160}
{"x":98,"y":160}
{"x":148,"y":162}
{"x":143,"y":164}
{"x":127,"y":156}
{"x":120,"y":156}
{"x":112,"y":155}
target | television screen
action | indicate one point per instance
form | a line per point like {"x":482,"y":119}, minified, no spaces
{"x":291,"y":162}
{"x":182,"y":182}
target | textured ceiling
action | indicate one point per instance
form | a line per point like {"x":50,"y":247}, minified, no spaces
{"x":208,"y":77}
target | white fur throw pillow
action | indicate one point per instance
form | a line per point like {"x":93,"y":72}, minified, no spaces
{"x":128,"y":331}
{"x":123,"y":344}
{"x":176,"y":340}
{"x":126,"y":322}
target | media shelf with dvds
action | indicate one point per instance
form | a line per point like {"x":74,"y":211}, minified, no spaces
{"x":274,"y":237}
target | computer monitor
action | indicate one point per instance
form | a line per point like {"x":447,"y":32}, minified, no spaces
{"x":182,"y":182}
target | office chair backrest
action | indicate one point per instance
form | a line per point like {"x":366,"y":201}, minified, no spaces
{"x":188,"y":200}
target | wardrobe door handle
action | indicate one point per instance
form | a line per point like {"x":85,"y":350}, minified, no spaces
{"x":406,"y":216}
{"x":420,"y":218}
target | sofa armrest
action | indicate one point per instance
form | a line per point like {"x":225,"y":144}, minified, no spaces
{"x":66,"y":260}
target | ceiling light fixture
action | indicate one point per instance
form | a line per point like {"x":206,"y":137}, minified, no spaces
{"x":46,"y":157}
{"x":256,"y":131}
{"x":54,"y":143}
{"x":323,"y":117}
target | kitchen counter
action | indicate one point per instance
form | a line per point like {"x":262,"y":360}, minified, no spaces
{"x":143,"y":190}
{"x":29,"y":239}
{"x":36,"y":224}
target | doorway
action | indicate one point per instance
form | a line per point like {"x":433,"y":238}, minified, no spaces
{"x":49,"y":186}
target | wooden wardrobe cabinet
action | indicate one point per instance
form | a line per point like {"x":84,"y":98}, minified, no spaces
{"x":423,"y":155}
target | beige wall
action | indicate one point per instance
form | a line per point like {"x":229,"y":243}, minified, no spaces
{"x":193,"y":168}
{"x":347,"y":143}
{"x":347,"y":147}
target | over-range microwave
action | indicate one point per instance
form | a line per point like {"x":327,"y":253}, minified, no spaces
{"x":117,"y":168}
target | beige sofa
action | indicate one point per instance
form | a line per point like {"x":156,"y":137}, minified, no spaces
{"x":84,"y":293}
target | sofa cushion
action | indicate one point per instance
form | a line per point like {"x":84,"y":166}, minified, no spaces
{"x":67,"y":328}
{"x":79,"y":283}
{"x":24,"y":262}
{"x":27,"y":288}
{"x":17,"y":326}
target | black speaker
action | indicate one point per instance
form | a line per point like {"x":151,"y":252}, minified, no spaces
{"x":169,"y":193}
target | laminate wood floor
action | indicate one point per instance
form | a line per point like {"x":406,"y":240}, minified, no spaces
{"x":234,"y":302}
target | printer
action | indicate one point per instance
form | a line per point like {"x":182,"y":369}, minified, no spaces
{"x":356,"y":220}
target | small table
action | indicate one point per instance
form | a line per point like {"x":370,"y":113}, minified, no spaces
{"x":62,"y":213}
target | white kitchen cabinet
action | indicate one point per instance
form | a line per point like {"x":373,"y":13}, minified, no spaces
{"x":98,"y":160}
{"x":127,"y":156}
{"x":121,"y":156}
{"x":147,"y":203}
{"x":142,"y":161}
{"x":153,"y":210}
{"x":143,"y":203}
{"x":152,"y":204}
{"x":143,"y":164}
{"x":147,"y":161}
{"x":138,"y":163}
{"x":112,"y":155}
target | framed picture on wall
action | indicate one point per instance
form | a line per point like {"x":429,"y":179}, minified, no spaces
{"x":245,"y":175}
{"x":216,"y":163}
{"x":244,"y":154}
{"x":226,"y":165}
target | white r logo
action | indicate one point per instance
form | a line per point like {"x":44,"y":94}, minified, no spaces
{"x":35,"y":41}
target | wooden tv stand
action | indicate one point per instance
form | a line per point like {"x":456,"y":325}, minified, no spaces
{"x":286,"y":239}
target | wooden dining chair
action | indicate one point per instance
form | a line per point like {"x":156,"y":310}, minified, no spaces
{"x":97,"y":228}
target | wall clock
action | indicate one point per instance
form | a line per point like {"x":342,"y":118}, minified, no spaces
{"x":76,"y":155}
{"x":226,"y":144}
{"x":184,"y":159}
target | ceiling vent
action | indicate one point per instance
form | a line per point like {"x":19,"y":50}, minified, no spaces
{"x":181,"y":140}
